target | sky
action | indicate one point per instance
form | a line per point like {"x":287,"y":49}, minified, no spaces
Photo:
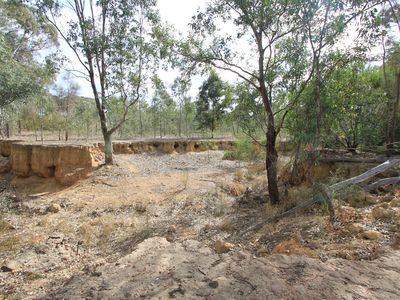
{"x":175,"y":12}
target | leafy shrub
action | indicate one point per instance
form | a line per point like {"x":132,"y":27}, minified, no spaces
{"x":245,"y":150}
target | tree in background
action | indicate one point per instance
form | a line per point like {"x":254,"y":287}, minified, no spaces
{"x":113,"y":43}
{"x":22,"y":34}
{"x":67,"y":98}
{"x":180,"y":89}
{"x":163,"y":109}
{"x":273,"y":55}
{"x":383,"y":27}
{"x":213,"y":99}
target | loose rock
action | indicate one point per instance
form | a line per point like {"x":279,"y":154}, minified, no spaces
{"x":53,"y":208}
{"x":223,"y":247}
{"x":372,"y":235}
{"x":11,"y":266}
{"x":395,"y":203}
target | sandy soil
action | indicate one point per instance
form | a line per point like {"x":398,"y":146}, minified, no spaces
{"x":111,"y":227}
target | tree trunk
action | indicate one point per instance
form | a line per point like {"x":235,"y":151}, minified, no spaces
{"x":317,"y":99}
{"x":140,"y":119}
{"x":7,"y":130}
{"x":271,"y":165}
{"x":108,"y":149}
{"x":19,"y":127}
{"x":180,"y":121}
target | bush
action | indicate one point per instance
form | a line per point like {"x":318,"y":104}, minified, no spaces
{"x":245,"y":150}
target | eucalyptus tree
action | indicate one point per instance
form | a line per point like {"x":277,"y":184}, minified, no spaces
{"x":213,"y":100}
{"x":22,"y":34}
{"x":267,"y":50}
{"x":382,"y":27}
{"x":67,"y":98}
{"x":180,"y":89}
{"x":114,"y":46}
{"x":163,"y":108}
{"x":274,"y":48}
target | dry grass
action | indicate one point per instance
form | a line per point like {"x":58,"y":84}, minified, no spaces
{"x":238,"y":175}
{"x":222,"y":206}
{"x":12,"y":243}
{"x":5,"y":226}
{"x":297,"y":195}
{"x":234,"y":188}
{"x":259,"y":183}
{"x":254,"y":170}
{"x":292,"y":247}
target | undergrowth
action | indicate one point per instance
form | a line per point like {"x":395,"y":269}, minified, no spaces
{"x":245,"y":150}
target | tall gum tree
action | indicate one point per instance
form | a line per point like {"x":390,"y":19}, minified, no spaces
{"x":268,"y":51}
{"x":23,"y":33}
{"x":271,"y":49}
{"x":113,"y":42}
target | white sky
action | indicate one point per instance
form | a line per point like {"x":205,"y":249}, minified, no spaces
{"x":175,"y":12}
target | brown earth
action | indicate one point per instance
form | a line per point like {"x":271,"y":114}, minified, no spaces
{"x":71,"y":163}
{"x":158,"y":269}
{"x":149,"y":227}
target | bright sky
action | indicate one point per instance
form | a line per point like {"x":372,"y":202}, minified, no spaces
{"x":175,"y":12}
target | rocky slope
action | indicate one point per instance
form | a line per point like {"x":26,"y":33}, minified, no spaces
{"x":158,"y":269}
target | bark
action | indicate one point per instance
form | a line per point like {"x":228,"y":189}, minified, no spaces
{"x":317,"y":99}
{"x":325,"y":192}
{"x":108,"y":148}
{"x":7,"y":130}
{"x":140,"y":119}
{"x":364,"y":176}
{"x":271,"y":165}
{"x":180,"y":121}
{"x":382,"y":182}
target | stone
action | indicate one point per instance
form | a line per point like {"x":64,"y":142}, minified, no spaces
{"x":171,"y":229}
{"x":263,"y":251}
{"x":356,"y":228}
{"x":41,"y":249}
{"x":11,"y":266}
{"x":387,"y":198}
{"x":372,"y":235}
{"x":380,"y":213}
{"x":53,"y":208}
{"x":395,"y":202}
{"x":223,"y":247}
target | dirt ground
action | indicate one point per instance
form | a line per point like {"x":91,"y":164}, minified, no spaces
{"x":172,"y":226}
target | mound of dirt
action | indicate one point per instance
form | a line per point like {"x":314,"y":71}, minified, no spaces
{"x":189,"y":270}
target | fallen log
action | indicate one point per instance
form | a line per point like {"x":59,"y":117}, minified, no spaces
{"x":365,"y":176}
{"x":324,"y":194}
{"x":382,"y":182}
{"x":377,"y":160}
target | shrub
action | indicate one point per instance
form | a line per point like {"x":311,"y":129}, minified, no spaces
{"x":245,"y":150}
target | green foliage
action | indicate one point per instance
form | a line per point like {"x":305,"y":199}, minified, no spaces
{"x":352,"y":103}
{"x":22,"y":34}
{"x":245,"y":150}
{"x":214,"y":98}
